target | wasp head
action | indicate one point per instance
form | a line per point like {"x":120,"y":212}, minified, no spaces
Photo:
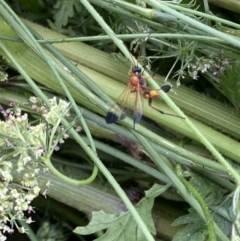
{"x":136,"y":70}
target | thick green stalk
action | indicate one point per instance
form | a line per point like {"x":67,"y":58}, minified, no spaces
{"x":114,"y":132}
{"x":207,"y":29}
{"x":204,"y":15}
{"x":211,"y":31}
{"x":92,"y":155}
{"x":145,"y":12}
{"x":229,"y":39}
{"x":47,"y":161}
{"x":177,"y":183}
{"x":201,"y":107}
{"x":118,"y":42}
{"x":232,"y":5}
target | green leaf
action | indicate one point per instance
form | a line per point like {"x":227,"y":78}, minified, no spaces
{"x":100,"y":221}
{"x":211,"y":192}
{"x":122,"y":227}
{"x":229,"y":82}
{"x":191,"y":233}
{"x":157,"y":190}
{"x":65,"y":10}
{"x":196,"y":228}
{"x":224,"y":224}
{"x":192,"y":217}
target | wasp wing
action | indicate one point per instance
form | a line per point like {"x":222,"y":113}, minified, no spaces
{"x":138,"y":105}
{"x":117,"y":110}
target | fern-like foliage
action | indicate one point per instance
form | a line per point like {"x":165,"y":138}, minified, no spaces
{"x":65,"y":9}
{"x":196,"y":228}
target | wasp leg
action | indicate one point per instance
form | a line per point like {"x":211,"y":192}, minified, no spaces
{"x":162,"y":112}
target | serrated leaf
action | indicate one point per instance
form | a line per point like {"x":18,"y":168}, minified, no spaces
{"x":192,"y":217}
{"x":65,"y":10}
{"x":224,"y":224}
{"x":230,"y":84}
{"x":195,"y":230}
{"x":191,"y":233}
{"x":122,"y":227}
{"x":157,"y":190}
{"x":210,"y":191}
{"x":100,"y":221}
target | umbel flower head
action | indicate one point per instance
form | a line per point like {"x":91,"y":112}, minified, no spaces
{"x":24,"y":145}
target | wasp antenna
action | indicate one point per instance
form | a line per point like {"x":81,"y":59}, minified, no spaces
{"x":155,"y":71}
{"x":142,"y":47}
{"x":141,"y":50}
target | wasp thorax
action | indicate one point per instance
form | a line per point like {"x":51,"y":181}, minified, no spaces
{"x":134,"y":80}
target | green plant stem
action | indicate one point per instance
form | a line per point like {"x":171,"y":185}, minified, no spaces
{"x":177,"y":183}
{"x":176,"y":153}
{"x":133,"y":162}
{"x":31,"y":235}
{"x":22,"y":30}
{"x":206,"y":6}
{"x":108,"y":30}
{"x":150,"y":13}
{"x":122,"y":12}
{"x":84,"y":198}
{"x":192,"y":161}
{"x":67,"y":124}
{"x":86,"y":181}
{"x":204,"y":15}
{"x":206,"y":143}
{"x":211,"y":31}
{"x":19,"y":27}
{"x":193,"y":191}
{"x":171,"y":104}
{"x":232,"y":5}
{"x":200,"y":107}
{"x":74,"y":70}
{"x":144,"y":12}
{"x":121,"y":36}
{"x":96,"y":196}
{"x":225,"y":37}
{"x":92,"y":155}
{"x":120,"y":45}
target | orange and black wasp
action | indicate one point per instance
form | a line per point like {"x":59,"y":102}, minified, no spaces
{"x":137,"y":85}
